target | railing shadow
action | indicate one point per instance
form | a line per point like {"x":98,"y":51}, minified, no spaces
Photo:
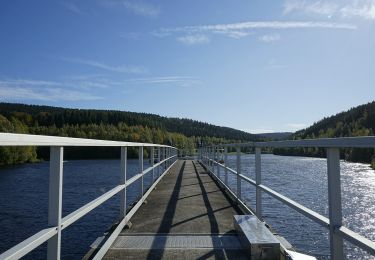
{"x":167,"y":221}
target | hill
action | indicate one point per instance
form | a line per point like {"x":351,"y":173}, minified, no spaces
{"x":276,"y":136}
{"x":357,"y":121}
{"x":183,"y":133}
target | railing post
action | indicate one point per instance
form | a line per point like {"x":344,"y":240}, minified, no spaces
{"x":334,"y":202}
{"x":140,"y":159}
{"x":218,"y":161}
{"x":55,"y":201}
{"x":165,"y":157}
{"x":226,"y":165}
{"x":124,"y":152}
{"x":152,"y":158}
{"x":214,"y":159}
{"x":258,"y":181}
{"x":238,"y":149}
{"x":159,"y":162}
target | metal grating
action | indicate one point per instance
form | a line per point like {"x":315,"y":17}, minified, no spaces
{"x":177,"y":241}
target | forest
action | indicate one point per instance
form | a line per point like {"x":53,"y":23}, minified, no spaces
{"x":357,"y":121}
{"x":184,"y":134}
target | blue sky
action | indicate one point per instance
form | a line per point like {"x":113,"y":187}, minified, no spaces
{"x":259,"y":66}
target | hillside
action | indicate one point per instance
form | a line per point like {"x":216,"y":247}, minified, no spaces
{"x":276,"y":135}
{"x":357,"y":121}
{"x":185,"y":134}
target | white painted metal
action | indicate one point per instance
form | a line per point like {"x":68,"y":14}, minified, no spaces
{"x":9,"y":139}
{"x":218,"y":160}
{"x":238,"y":162}
{"x":103,"y":250}
{"x":241,"y":204}
{"x":82,"y":211}
{"x":158,"y":161}
{"x":123,"y":167}
{"x":226,"y":165}
{"x":152,"y":159}
{"x":356,"y":239}
{"x":140,"y":165}
{"x":29,"y":244}
{"x":342,"y":142}
{"x":258,"y":180}
{"x":52,"y":235}
{"x":334,"y":224}
{"x":334,"y":202}
{"x":55,"y":201}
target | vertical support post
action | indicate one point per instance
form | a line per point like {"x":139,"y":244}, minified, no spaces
{"x":152,"y":158}
{"x":334,"y":202}
{"x":55,"y":201}
{"x":166,"y":157}
{"x":214,"y":159}
{"x":159,"y":162}
{"x":226,"y":165}
{"x":258,"y":181}
{"x":218,"y":161}
{"x":124,"y":152}
{"x":161,"y":159}
{"x":140,"y":159}
{"x":238,"y":149}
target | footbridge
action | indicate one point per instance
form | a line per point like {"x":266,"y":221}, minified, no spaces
{"x":189,"y":211}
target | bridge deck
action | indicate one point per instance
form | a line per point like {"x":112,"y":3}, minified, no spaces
{"x":186,"y":216}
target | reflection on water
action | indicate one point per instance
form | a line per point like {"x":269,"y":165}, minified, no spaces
{"x":24,"y":200}
{"x":305,"y":181}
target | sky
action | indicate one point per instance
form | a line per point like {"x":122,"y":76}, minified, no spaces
{"x":258,"y":66}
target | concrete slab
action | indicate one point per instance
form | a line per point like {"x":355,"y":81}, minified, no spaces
{"x":186,"y":201}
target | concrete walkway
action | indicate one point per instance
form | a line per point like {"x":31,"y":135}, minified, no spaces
{"x":187,"y":216}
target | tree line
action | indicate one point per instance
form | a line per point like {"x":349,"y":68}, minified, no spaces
{"x":357,"y":121}
{"x":184,"y":134}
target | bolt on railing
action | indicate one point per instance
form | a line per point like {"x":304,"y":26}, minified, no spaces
{"x":337,"y":232}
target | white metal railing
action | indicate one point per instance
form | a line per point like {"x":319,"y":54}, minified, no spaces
{"x":166,"y":157}
{"x":337,"y":232}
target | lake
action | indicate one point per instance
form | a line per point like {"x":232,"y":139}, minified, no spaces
{"x":24,"y":201}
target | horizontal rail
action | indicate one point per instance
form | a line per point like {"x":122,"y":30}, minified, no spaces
{"x":9,"y":139}
{"x":51,"y":233}
{"x":323,"y":221}
{"x":29,"y":244}
{"x":82,"y":211}
{"x":356,"y":239}
{"x":341,"y":142}
{"x":107,"y":244}
{"x":343,"y":232}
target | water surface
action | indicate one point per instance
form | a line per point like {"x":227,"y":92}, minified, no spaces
{"x":24,"y":201}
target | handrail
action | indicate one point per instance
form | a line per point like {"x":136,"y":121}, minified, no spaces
{"x":166,"y":157}
{"x":10,"y":139}
{"x":340,"y":142}
{"x":208,"y":157}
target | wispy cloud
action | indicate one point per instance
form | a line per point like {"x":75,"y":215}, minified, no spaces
{"x":181,"y":81}
{"x":194,"y":39}
{"x":142,"y":8}
{"x":103,"y":66}
{"x":243,"y":29}
{"x":11,"y":92}
{"x":295,"y":126}
{"x":270,"y":37}
{"x":337,"y":8}
{"x":274,"y":65}
{"x":81,"y":87}
{"x":72,"y":7}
